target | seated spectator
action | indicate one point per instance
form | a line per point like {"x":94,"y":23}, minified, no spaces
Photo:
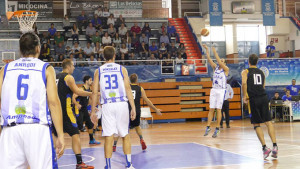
{"x":92,"y":61}
{"x":293,"y":88}
{"x":88,"y":50}
{"x":59,"y":50}
{"x":144,"y":39}
{"x":123,"y":59}
{"x":161,"y":57}
{"x":170,"y":56}
{"x":122,"y":30}
{"x":171,"y":30}
{"x":153,"y":49}
{"x":82,"y":20}
{"x":181,"y":51}
{"x":135,"y":42}
{"x":68,"y":51}
{"x":76,"y":49}
{"x":66,"y":24}
{"x":179,"y":60}
{"x":111,"y":20}
{"x":163,"y":50}
{"x":51,"y":31}
{"x":81,"y":60}
{"x":119,"y":22}
{"x":163,"y":28}
{"x":75,"y":33}
{"x":106,"y":12}
{"x":45,"y":53}
{"x":106,"y":40}
{"x":153,"y":60}
{"x":101,"y":32}
{"x":173,"y":50}
{"x":44,"y":38}
{"x":117,"y":40}
{"x":132,"y":57}
{"x":97,"y":50}
{"x":124,"y":49}
{"x":168,"y":62}
{"x":164,"y":39}
{"x":96,"y":21}
{"x":127,"y":41}
{"x":72,"y":58}
{"x":278,"y":108}
{"x":117,"y":50}
{"x":52,"y":62}
{"x":146,"y":29}
{"x":136,"y":29}
{"x":34,"y":28}
{"x":287,"y":96}
{"x":96,"y":38}
{"x":98,"y":12}
{"x":111,"y":31}
{"x":58,"y":39}
{"x":60,"y":58}
{"x":143,"y":51}
{"x":90,"y":31}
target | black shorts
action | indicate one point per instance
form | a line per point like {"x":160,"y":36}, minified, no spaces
{"x":68,"y":125}
{"x":84,"y":117}
{"x":136,"y":122}
{"x":259,"y":107}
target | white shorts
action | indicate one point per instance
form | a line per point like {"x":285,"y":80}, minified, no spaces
{"x":27,"y":145}
{"x":115,"y":119}
{"x":216,"y":98}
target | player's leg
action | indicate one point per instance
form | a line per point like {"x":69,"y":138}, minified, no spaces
{"x":140,"y":134}
{"x":209,"y":119}
{"x":90,"y":126}
{"x":260,"y":135}
{"x":108,"y":146}
{"x":220,"y":94}
{"x":127,"y":150}
{"x":212,"y":105}
{"x":12,"y":155}
{"x":226,"y":103}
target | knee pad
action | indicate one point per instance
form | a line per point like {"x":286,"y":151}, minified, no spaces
{"x":256,"y":127}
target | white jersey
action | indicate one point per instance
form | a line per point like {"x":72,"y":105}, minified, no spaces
{"x":111,"y":81}
{"x":219,"y":79}
{"x":23,"y":95}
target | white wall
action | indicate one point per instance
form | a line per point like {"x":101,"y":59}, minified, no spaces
{"x":293,"y":36}
{"x":282,"y":27}
{"x":281,"y":45}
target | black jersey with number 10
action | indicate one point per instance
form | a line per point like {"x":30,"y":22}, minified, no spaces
{"x":255,"y":83}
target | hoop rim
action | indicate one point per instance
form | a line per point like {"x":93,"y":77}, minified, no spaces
{"x":20,"y":13}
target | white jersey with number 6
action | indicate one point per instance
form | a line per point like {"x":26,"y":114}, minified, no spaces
{"x":24,"y":93}
{"x":112,"y":86}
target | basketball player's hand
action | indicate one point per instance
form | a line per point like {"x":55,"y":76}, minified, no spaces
{"x":78,"y":106}
{"x":158,"y":112}
{"x":94,"y":118}
{"x":245,"y":99}
{"x":205,"y":46}
{"x":60,"y":146}
{"x":132,"y":114}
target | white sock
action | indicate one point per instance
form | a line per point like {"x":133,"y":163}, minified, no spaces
{"x":128,"y":160}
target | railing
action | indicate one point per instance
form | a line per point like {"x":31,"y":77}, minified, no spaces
{"x":191,"y":14}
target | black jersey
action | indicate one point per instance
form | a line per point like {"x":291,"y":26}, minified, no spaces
{"x":64,"y":92}
{"x":137,"y":94}
{"x":83,"y":100}
{"x":255,"y":83}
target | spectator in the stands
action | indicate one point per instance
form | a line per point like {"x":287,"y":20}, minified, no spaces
{"x":163,"y":50}
{"x":75,"y":33}
{"x":88,"y":50}
{"x":179,"y":60}
{"x":153,"y":49}
{"x":164,"y":39}
{"x":132,"y":57}
{"x":68,"y":51}
{"x":119,"y":22}
{"x":80,"y":60}
{"x":123,"y":59}
{"x":270,"y":49}
{"x":117,"y":50}
{"x":181,"y":51}
{"x":136,"y":29}
{"x":143,"y":51}
{"x":90,"y":32}
{"x":287,"y":96}
{"x":170,"y":56}
{"x":153,"y":60}
{"x":97,"y":49}
{"x":105,"y":12}
{"x":92,"y":61}
{"x":44,"y":37}
{"x":171,"y":30}
{"x":101,"y":32}
{"x":111,"y":20}
{"x":60,"y":58}
{"x":51,"y":31}
{"x":173,"y":50}
{"x":66,"y":24}
{"x":59,"y":50}
{"x":135,"y":42}
{"x":82,"y":21}
{"x":72,"y":58}
{"x":278,"y":108}
{"x":127,"y":41}
{"x":111,"y":31}
{"x":52,"y":62}
{"x":96,"y":21}
{"x":58,"y":38}
{"x":144,"y":39}
{"x":96,"y":38}
{"x":35,"y":29}
{"x":76,"y":50}
{"x":45,"y":53}
{"x":124,"y":50}
{"x":293,"y":88}
{"x":122,"y":30}
{"x":163,"y":28}
{"x":117,"y":40}
{"x":168,"y":62}
{"x":161,"y":57}
{"x":106,"y":40}
{"x":98,"y":12}
{"x":146,"y":29}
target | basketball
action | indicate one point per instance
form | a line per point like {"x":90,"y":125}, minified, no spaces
{"x":204,"y":32}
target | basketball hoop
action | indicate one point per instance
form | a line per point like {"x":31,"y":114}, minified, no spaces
{"x":26,"y":19}
{"x":6,"y":61}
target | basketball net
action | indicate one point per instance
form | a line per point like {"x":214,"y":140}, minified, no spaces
{"x":26,"y":19}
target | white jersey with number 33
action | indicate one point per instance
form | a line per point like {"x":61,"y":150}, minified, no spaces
{"x":111,"y":81}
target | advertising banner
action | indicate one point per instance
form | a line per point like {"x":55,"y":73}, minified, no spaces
{"x":88,"y":7}
{"x":44,"y":9}
{"x":128,"y":9}
{"x":215,"y":13}
{"x":268,"y":11}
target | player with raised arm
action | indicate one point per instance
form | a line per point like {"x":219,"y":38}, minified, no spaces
{"x":28,"y":91}
{"x":113,"y":82}
{"x":217,"y":93}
